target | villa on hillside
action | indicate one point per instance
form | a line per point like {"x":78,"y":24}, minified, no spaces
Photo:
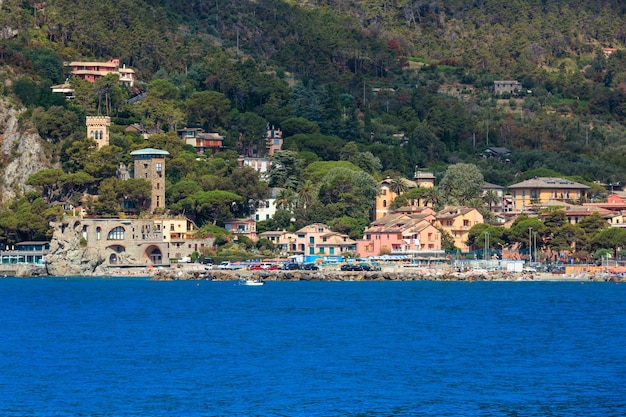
{"x":201,"y":141}
{"x":531,"y":193}
{"x":386,"y":197}
{"x":506,"y":86}
{"x":242,"y":227}
{"x":92,"y":70}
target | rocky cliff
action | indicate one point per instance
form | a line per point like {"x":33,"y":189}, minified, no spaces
{"x":21,"y":153}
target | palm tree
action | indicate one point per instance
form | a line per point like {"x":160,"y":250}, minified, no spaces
{"x":285,"y":199}
{"x":490,"y":198}
{"x":398,"y":185}
{"x":431,"y":196}
{"x":305,"y":195}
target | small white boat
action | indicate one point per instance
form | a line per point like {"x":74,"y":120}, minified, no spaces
{"x":251,"y":282}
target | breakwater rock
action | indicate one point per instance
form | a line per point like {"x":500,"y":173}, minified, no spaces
{"x":426,"y":275}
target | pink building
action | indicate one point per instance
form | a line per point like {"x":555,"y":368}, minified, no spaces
{"x":91,"y":71}
{"x":400,"y":234}
{"x":274,"y":140}
{"x":242,"y":227}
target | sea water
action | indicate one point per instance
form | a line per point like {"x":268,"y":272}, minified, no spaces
{"x":134,"y":347}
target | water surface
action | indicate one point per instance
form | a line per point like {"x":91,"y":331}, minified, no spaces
{"x":132,"y":347}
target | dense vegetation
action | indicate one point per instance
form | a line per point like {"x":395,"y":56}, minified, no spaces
{"x":375,"y":88}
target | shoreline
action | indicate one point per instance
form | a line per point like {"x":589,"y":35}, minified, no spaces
{"x":422,"y":275}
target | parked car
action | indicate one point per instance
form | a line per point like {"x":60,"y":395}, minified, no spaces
{"x":310,"y":267}
{"x":351,"y":267}
{"x":228,"y":265}
{"x":208,"y":263}
{"x":368,"y":267}
{"x":289,"y":266}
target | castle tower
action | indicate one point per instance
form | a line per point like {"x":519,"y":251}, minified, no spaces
{"x":98,"y":129}
{"x":150,"y":165}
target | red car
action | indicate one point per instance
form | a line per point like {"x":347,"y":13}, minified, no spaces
{"x":263,"y":267}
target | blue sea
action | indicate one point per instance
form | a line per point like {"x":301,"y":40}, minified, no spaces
{"x":134,"y":347}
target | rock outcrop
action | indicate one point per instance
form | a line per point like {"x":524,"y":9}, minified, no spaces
{"x":22,"y":151}
{"x":68,"y":257}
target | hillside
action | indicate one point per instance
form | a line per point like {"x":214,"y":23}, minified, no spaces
{"x":387,"y":86}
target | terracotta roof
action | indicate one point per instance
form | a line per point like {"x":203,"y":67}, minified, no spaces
{"x":453,"y":211}
{"x":549,"y":183}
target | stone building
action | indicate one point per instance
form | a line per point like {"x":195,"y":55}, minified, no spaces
{"x":150,"y":165}
{"x":98,"y":129}
{"x":81,"y":245}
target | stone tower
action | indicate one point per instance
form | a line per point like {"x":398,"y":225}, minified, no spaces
{"x":150,"y":165}
{"x":98,"y":129}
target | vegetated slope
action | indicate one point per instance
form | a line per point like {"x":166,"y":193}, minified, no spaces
{"x":342,"y":51}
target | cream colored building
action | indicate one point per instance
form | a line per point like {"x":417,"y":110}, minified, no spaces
{"x":98,"y":129}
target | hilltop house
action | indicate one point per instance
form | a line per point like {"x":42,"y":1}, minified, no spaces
{"x":506,"y":86}
{"x":201,"y":141}
{"x":91,"y":70}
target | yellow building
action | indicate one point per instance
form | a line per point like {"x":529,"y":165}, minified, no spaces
{"x":532,"y":192}
{"x":386,"y":197}
{"x":457,"y":221}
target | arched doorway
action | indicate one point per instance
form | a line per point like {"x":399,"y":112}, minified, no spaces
{"x":154,"y":254}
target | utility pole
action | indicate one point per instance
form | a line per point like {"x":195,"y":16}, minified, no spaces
{"x":530,"y":245}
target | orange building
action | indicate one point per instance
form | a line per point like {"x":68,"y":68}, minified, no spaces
{"x":458,"y":220}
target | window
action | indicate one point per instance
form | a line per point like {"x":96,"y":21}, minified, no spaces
{"x":384,"y":203}
{"x":332,"y":250}
{"x":116,"y":234}
{"x":322,"y":250}
{"x":172,"y":227}
{"x":98,"y":231}
{"x":311,"y":250}
{"x":159,"y":167}
{"x":311,"y":239}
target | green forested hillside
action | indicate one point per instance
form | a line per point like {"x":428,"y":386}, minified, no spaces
{"x":385,"y":85}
